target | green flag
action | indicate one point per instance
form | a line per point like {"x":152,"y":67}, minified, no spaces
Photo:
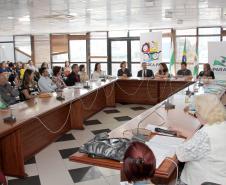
{"x":172,"y":57}
{"x":196,"y":64}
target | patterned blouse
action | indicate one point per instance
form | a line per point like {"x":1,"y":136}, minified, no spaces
{"x":59,"y":82}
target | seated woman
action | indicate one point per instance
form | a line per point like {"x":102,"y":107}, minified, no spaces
{"x":28,"y":88}
{"x":204,"y":152}
{"x":57,"y":78}
{"x":163,"y":71}
{"x":207,"y":72}
{"x":139,"y":164}
{"x":82,"y":73}
{"x":124,"y":72}
{"x":67,"y":69}
{"x":97,"y":72}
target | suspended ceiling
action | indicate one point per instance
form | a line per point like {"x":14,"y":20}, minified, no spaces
{"x":69,"y":16}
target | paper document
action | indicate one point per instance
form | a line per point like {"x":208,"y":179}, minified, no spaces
{"x":163,"y":146}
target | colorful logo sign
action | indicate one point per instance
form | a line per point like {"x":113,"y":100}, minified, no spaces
{"x":150,"y":51}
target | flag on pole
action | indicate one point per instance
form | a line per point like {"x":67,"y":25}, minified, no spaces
{"x":184,"y":57}
{"x":196,"y":64}
{"x":172,"y":57}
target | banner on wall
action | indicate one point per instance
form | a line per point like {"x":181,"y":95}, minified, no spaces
{"x":151,"y":48}
{"x":217,"y":59}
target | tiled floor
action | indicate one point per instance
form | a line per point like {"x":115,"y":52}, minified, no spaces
{"x":52,"y":167}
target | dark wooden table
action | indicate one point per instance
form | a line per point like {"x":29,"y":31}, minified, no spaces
{"x":26,"y":137}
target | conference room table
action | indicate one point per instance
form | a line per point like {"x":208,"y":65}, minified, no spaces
{"x":41,"y":121}
{"x":175,"y":119}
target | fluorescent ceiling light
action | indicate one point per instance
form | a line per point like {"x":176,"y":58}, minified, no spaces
{"x":10,"y":17}
{"x":25,"y":18}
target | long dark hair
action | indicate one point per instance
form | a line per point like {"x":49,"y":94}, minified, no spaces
{"x":26,"y":79}
{"x":95,"y":68}
{"x":165,"y":69}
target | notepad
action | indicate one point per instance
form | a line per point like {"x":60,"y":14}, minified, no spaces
{"x":163,"y":146}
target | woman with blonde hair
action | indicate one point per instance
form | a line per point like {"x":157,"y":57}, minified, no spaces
{"x":204,"y":153}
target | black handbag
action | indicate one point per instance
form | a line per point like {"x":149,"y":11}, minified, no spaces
{"x":103,"y":147}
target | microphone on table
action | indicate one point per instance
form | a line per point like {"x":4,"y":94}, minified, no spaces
{"x":142,"y":135}
{"x":170,"y":106}
{"x":10,"y":119}
{"x":86,"y":85}
{"x":60,"y":96}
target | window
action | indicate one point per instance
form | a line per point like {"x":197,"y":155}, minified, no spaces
{"x":186,"y":32}
{"x":6,"y":52}
{"x":60,"y":58}
{"x":166,"y":47}
{"x":98,"y":50}
{"x":135,"y":51}
{"x":6,"y":38}
{"x":98,"y":47}
{"x":203,"y":47}
{"x":77,"y":50}
{"x":119,"y":51}
{"x":23,"y":48}
{"x":210,"y":31}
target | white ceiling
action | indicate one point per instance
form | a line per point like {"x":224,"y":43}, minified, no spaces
{"x":57,"y":16}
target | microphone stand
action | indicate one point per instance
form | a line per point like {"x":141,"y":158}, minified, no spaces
{"x":168,"y":106}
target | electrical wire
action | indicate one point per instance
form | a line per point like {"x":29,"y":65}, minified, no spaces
{"x":58,"y":130}
{"x":130,"y":94}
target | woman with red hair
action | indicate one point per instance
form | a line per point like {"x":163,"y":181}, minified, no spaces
{"x":139,"y":164}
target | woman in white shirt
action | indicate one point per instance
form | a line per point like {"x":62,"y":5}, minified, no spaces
{"x":204,"y":153}
{"x":82,"y":73}
{"x":97,"y":72}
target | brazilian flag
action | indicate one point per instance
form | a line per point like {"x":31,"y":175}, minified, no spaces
{"x":184,"y":57}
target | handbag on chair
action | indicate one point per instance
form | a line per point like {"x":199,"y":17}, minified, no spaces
{"x":103,"y":147}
